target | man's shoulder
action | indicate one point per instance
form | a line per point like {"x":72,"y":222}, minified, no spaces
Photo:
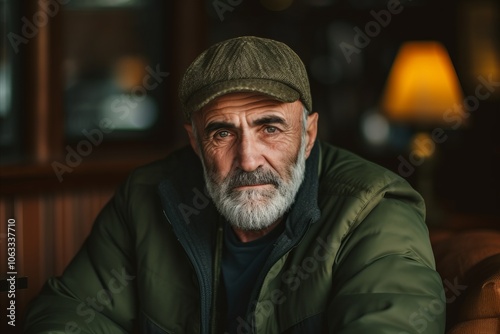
{"x":345,"y":173}
{"x":350,"y":187}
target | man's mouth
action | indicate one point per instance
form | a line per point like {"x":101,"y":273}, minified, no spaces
{"x":252,"y":186}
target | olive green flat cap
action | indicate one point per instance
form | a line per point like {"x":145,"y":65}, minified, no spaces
{"x":245,"y":64}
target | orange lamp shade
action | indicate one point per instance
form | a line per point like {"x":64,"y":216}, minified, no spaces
{"x":422,"y":86}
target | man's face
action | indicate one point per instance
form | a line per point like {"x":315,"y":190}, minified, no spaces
{"x":253,"y":149}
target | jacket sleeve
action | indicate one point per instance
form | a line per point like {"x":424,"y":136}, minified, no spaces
{"x":386,"y":280}
{"x":96,"y":293}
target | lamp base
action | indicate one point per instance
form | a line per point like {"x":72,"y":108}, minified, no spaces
{"x":425,"y":152}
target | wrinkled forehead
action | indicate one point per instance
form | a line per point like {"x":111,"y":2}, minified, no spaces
{"x":237,"y":104}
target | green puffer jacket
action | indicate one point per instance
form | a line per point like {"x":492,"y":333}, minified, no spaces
{"x":354,"y":257}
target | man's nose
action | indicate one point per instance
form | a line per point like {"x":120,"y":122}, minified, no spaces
{"x":249,"y":155}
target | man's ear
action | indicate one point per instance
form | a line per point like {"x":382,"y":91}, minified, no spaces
{"x":192,"y":138}
{"x":311,"y":132}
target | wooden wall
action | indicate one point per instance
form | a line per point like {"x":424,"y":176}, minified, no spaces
{"x":50,"y":228}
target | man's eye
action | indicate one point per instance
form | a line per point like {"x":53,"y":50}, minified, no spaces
{"x":222,"y":134}
{"x":271,"y":129}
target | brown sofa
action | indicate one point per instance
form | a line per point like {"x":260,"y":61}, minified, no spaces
{"x":469,"y":264}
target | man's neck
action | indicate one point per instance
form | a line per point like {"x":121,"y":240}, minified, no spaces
{"x":247,"y":236}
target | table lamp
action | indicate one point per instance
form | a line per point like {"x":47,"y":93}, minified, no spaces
{"x":422,"y":85}
{"x":423,"y":91}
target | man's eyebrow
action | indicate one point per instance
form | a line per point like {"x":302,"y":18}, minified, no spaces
{"x":217,"y":125}
{"x":269,"y":120}
{"x":214,"y":126}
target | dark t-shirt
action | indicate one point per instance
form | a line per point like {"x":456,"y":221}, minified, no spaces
{"x":241,"y":265}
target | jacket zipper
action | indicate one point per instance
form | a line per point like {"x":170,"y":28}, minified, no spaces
{"x":217,"y":268}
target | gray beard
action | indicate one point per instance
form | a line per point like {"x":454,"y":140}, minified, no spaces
{"x":252,"y":209}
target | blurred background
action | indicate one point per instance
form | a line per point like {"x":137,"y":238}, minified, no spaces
{"x":88,"y":91}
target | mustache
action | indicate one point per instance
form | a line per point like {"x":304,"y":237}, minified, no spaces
{"x":241,"y":178}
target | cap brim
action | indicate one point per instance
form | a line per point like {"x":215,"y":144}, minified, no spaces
{"x":274,"y":89}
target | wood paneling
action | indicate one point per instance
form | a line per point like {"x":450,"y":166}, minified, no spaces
{"x":50,"y":228}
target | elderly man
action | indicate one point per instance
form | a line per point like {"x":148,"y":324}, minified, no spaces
{"x":258,"y":227}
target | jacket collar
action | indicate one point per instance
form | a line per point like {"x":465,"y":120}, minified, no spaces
{"x":305,"y":209}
